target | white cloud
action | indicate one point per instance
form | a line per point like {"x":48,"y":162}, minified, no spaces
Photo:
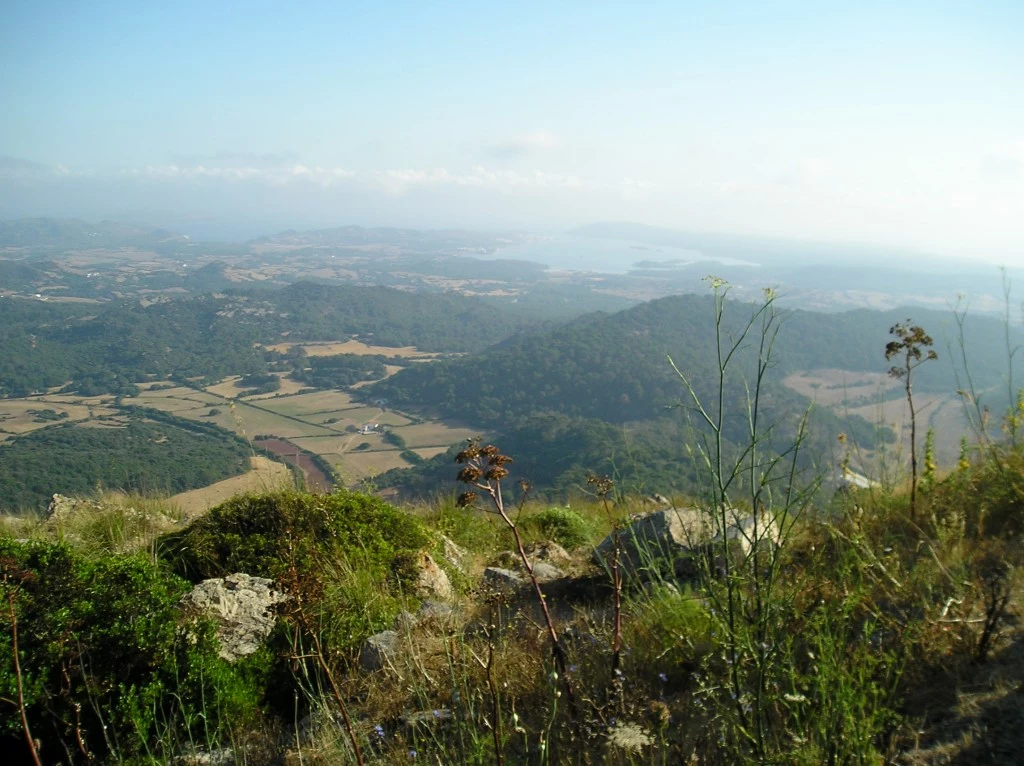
{"x":398,"y":181}
{"x":534,"y":142}
{"x":1005,"y":160}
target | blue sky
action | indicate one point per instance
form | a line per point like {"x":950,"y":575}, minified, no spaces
{"x":897,"y":123}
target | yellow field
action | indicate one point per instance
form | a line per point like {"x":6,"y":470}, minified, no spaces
{"x":305,"y":404}
{"x":434,"y":434}
{"x":300,"y":418}
{"x":428,"y":452}
{"x":340,"y":417}
{"x":251,"y":421}
{"x":391,"y":418}
{"x":226,"y":388}
{"x":389,"y":370}
{"x":331,"y":445}
{"x":349,"y":347}
{"x":265,"y":475}
{"x":288,"y":387}
{"x":235,"y":416}
{"x":835,"y":387}
{"x":942,"y":413}
{"x":359,"y":465}
{"x":183,"y":393}
{"x":16,"y":418}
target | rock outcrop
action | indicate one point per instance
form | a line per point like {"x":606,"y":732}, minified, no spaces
{"x":242,"y":608}
{"x":671,"y":538}
{"x":431,"y":580}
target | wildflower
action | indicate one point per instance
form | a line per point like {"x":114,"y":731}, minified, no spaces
{"x":495,"y":473}
{"x":437,"y":714}
{"x":470,"y":474}
{"x":629,"y":737}
{"x":663,"y":677}
{"x":660,"y":712}
{"x":379,"y":731}
{"x":573,"y":668}
{"x":412,"y":755}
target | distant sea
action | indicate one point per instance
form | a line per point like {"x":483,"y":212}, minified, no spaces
{"x":566,"y":252}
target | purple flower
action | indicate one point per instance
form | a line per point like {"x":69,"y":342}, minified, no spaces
{"x":379,"y":731}
{"x":663,"y":677}
{"x":412,"y":755}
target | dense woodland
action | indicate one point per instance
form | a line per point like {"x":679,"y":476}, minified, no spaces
{"x":598,"y":395}
{"x":142,"y":456}
{"x":211,"y":337}
{"x":614,"y":367}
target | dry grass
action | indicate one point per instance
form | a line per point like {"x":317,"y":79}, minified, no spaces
{"x":266,"y":476}
{"x":339,"y":418}
{"x":833,"y":387}
{"x":16,"y":417}
{"x":435,"y":434}
{"x":389,"y":370}
{"x":289,"y":387}
{"x":350,"y":347}
{"x":360,"y":465}
{"x":428,"y":452}
{"x":307,"y":404}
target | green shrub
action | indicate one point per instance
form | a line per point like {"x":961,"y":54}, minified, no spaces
{"x":269,"y":535}
{"x":564,"y":526}
{"x":411,"y":457}
{"x":105,"y":656}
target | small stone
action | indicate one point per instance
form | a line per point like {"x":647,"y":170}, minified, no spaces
{"x":545,"y":572}
{"x":548,"y":551}
{"x":406,"y":621}
{"x":435,"y":610}
{"x":379,"y":650}
{"x":432,"y":582}
{"x":426,"y":717}
{"x":454,"y":554}
{"x":502,"y":579}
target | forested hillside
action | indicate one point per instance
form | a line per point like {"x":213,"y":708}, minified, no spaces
{"x":106,"y":349}
{"x":142,"y":456}
{"x":599,"y":395}
{"x":614,"y":367}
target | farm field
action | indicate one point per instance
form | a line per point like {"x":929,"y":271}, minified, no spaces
{"x":320,"y":348}
{"x":265,"y":475}
{"x":307,"y":404}
{"x":389,"y":370}
{"x":428,"y":452}
{"x":361,"y":465}
{"x":434,"y":434}
{"x":226,"y":388}
{"x":289,"y":387}
{"x":18,"y":416}
{"x":338,"y":418}
{"x":836,"y":387}
{"x":878,"y":398}
{"x":301,"y":419}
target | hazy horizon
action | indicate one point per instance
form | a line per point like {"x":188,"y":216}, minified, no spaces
{"x":881,"y":125}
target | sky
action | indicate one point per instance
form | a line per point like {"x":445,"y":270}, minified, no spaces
{"x":896,"y":123}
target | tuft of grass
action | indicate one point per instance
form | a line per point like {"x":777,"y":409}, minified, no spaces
{"x":563,"y":525}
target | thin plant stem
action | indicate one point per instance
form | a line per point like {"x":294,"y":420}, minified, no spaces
{"x":17,"y":675}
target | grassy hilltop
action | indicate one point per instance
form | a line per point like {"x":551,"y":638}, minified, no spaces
{"x":869,"y":626}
